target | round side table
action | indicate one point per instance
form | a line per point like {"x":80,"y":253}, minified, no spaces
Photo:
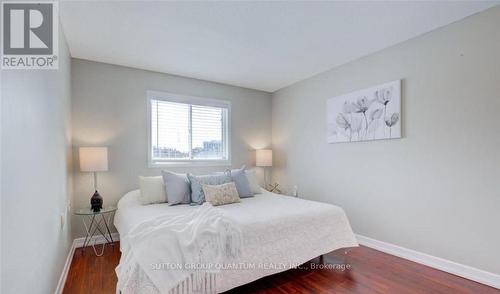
{"x":97,"y":222}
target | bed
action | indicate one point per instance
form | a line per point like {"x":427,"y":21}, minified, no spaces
{"x":279,"y":232}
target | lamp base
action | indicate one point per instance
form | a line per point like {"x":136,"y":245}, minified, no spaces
{"x":96,"y":202}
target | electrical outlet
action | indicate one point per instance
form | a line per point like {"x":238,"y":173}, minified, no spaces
{"x":62,"y":218}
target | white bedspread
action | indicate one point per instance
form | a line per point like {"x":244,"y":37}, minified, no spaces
{"x":278,"y":232}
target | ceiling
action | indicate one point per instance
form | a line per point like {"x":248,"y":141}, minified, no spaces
{"x":257,"y":45}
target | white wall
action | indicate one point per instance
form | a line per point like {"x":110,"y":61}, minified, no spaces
{"x":35,"y":181}
{"x":109,"y":109}
{"x":436,"y":190}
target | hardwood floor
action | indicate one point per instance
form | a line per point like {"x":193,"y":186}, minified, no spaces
{"x":93,"y":274}
{"x":371,"y":272}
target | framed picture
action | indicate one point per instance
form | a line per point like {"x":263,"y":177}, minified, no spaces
{"x":365,"y":115}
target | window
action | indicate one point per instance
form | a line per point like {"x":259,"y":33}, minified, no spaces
{"x":188,"y":130}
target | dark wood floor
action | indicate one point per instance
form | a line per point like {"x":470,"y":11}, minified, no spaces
{"x":371,"y":272}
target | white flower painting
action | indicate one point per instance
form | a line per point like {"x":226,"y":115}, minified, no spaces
{"x":369,"y":114}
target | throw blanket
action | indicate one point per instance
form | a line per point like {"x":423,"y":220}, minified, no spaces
{"x":179,"y":254}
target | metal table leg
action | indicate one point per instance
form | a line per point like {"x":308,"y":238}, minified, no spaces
{"x":87,"y":237}
{"x":93,"y":228}
{"x":107,"y":227}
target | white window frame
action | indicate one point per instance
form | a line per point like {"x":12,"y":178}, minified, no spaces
{"x":193,"y":100}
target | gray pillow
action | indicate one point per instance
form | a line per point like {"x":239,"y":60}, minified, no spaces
{"x":197,"y":182}
{"x":254,"y":183}
{"x":240,"y":179}
{"x":177,"y":188}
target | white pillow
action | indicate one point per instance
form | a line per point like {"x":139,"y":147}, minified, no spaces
{"x":252,"y":179}
{"x":152,"y":190}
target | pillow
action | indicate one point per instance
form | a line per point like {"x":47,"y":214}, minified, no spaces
{"x":252,"y":180}
{"x":197,"y":182}
{"x":221,"y":194}
{"x":177,"y":188}
{"x":152,"y":190}
{"x":240,"y":180}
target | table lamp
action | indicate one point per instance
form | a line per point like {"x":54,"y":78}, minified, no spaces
{"x":264,"y":158}
{"x":94,"y":159}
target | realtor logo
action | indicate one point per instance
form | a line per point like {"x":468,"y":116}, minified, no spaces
{"x":30,"y":35}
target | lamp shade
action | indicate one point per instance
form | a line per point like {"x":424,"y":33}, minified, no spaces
{"x":264,"y":157}
{"x":93,"y":159}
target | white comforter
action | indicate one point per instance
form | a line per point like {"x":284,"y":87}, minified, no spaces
{"x":279,"y":232}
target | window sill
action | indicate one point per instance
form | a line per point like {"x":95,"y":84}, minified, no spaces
{"x":160,"y":164}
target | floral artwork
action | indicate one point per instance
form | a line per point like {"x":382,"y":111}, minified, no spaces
{"x":365,"y":115}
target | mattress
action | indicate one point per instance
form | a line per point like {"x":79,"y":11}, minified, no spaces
{"x":279,"y":232}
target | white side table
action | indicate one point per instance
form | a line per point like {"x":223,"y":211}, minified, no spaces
{"x":97,"y":222}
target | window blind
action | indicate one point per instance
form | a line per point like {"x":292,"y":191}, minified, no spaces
{"x":207,"y":132}
{"x":183,"y":132}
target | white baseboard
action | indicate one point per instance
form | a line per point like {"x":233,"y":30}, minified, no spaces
{"x":64,"y":274}
{"x":448,"y":266}
{"x":97,"y":239}
{"x":77,"y":243}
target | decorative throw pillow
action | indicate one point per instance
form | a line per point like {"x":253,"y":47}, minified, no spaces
{"x":221,"y":194}
{"x":240,"y":179}
{"x":152,"y":190}
{"x":197,"y":182}
{"x":177,"y":188}
{"x":252,"y":180}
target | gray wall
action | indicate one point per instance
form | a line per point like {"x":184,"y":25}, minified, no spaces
{"x":436,"y":190}
{"x":109,"y":109}
{"x":35,"y":154}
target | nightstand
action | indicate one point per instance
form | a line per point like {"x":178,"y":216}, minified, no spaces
{"x":97,"y":222}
